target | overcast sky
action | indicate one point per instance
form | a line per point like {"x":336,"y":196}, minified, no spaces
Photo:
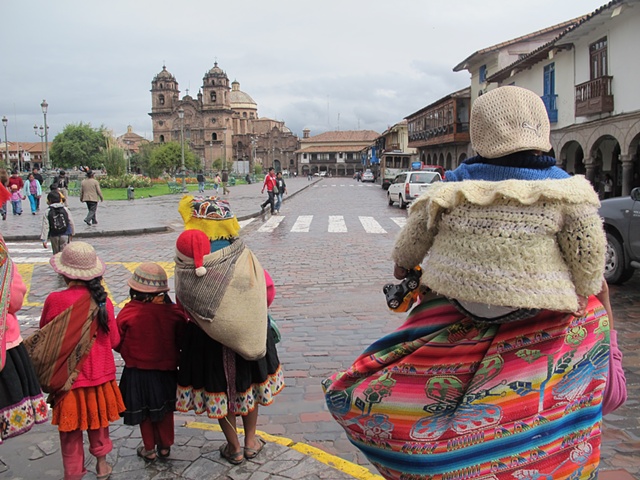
{"x":323,"y":65}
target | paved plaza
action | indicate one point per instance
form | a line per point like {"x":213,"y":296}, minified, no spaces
{"x":328,"y":311}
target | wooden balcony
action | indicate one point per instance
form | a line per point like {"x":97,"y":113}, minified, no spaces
{"x":594,"y":97}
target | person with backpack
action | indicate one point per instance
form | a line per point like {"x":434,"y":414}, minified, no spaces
{"x":57,"y":224}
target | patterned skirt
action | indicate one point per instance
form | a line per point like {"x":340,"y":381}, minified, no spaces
{"x":88,"y":408}
{"x":202,"y":383}
{"x":445,"y":397}
{"x":22,"y":403}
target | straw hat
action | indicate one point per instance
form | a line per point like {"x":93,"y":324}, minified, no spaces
{"x":78,"y":261}
{"x":149,"y":278}
{"x":508,"y":120}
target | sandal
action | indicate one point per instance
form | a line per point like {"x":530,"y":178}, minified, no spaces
{"x":234,"y":458}
{"x":147,"y":455}
{"x":105,"y":476}
{"x":250,"y":453}
{"x":164,"y":452}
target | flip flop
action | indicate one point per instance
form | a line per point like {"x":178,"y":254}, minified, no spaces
{"x":105,"y":476}
{"x":167,"y":451}
{"x":250,"y":453}
{"x":233,"y":458}
{"x":147,"y":455}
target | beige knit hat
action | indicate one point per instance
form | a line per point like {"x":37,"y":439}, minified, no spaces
{"x":508,"y":120}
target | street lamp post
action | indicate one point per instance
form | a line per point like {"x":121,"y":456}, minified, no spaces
{"x":41,"y":135}
{"x":45,"y":106}
{"x":6,"y":143}
{"x":182,"y":167}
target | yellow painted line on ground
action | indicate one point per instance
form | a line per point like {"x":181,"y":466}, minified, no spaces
{"x":356,"y":471}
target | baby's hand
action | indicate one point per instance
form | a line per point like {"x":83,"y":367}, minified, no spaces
{"x":582,"y":306}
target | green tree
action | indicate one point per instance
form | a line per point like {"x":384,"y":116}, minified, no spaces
{"x":78,"y":144}
{"x":141,"y":161}
{"x":167,"y":158}
{"x":113,"y":160}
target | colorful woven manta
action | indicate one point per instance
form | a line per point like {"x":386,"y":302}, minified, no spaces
{"x":444,"y":397}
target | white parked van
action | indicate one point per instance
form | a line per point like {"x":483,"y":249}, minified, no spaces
{"x":407,"y":186}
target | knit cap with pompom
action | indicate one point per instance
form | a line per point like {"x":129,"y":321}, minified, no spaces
{"x":194,"y":244}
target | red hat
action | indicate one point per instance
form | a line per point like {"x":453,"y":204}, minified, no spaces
{"x":194,"y":244}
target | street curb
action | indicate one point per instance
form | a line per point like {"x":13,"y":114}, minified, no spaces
{"x":257,"y":214}
{"x":350,"y":468}
{"x":95,"y":233}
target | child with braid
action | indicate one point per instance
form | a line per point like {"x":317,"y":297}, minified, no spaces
{"x":92,"y":399}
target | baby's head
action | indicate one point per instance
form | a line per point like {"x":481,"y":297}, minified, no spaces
{"x":508,"y":120}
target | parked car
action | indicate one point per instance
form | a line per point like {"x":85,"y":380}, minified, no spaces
{"x":408,"y":186}
{"x":621,"y":216}
{"x":434,"y":168}
{"x":368,"y":176}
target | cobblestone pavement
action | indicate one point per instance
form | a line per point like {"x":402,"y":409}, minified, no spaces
{"x":328,"y":253}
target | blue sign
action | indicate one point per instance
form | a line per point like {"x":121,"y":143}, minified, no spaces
{"x":416,"y":165}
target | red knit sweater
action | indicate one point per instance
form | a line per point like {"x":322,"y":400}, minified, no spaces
{"x":99,"y":367}
{"x":150,"y":335}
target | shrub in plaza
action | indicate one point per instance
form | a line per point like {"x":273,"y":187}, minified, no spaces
{"x":124,"y":181}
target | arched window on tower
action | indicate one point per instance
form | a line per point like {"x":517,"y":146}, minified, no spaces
{"x":161,"y":138}
{"x":244,"y":114}
{"x":161,"y":99}
{"x":213,"y":82}
{"x":160,"y":85}
{"x":213,"y":97}
{"x":214,"y":137}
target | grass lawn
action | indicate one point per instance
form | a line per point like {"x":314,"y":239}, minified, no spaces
{"x":155,"y":191}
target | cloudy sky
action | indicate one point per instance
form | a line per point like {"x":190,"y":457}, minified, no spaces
{"x":323,"y":65}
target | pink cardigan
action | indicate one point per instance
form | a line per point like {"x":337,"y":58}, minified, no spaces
{"x":100,"y":366}
{"x":16,"y":297}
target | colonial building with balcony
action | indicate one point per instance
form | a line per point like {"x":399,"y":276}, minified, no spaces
{"x":336,"y":153}
{"x":587,"y":77}
{"x":392,"y":147}
{"x":440,"y":131}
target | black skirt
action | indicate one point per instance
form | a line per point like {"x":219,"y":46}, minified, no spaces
{"x":147,"y":394}
{"x":202,"y":383}
{"x":22,"y":403}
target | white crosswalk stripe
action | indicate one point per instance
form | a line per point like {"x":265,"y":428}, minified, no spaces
{"x":28,"y":252}
{"x":271,"y":224}
{"x":371,"y":226}
{"x":244,"y":223}
{"x":303,"y":223}
{"x":337,"y":224}
{"x":400,"y":221}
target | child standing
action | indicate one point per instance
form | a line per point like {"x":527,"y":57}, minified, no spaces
{"x":93,"y":399}
{"x":57,"y":225}
{"x":150,"y":327}
{"x":16,"y":200}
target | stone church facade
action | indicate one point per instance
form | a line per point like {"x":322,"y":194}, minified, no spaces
{"x":220,"y":123}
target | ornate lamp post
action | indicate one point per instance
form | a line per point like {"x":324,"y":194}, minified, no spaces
{"x":41,"y":135}
{"x":45,"y":106}
{"x":6,"y":143}
{"x":182,"y":167}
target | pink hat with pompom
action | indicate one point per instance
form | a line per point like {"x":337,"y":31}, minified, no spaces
{"x":194,"y":244}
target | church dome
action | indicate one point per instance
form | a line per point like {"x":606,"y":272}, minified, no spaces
{"x":216,"y":70}
{"x":164,"y":74}
{"x":239,"y":99}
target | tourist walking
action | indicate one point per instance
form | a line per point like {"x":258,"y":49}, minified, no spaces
{"x":270,"y":185}
{"x":281,"y":186}
{"x":200,"y":178}
{"x":225,"y":181}
{"x":38,"y":176}
{"x":151,"y":327}
{"x":79,"y":326}
{"x":510,"y":353}
{"x":90,"y":193}
{"x":228,"y":367}
{"x":32,"y":190}
{"x":57,"y":224}
{"x":62,"y":182}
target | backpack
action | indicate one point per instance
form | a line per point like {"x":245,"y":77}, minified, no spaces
{"x":58,"y":221}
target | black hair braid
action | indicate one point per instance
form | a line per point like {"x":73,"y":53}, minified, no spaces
{"x":100,"y":296}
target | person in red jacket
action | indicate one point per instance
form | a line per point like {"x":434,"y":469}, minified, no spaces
{"x":93,"y":400}
{"x":151,"y":327}
{"x":272,"y":189}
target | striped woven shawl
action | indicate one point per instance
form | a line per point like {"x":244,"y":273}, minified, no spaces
{"x":443,"y":397}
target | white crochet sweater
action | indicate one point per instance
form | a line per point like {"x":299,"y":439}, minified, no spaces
{"x":513,"y":243}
